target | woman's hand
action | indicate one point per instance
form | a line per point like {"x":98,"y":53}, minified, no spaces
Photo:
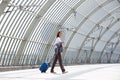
{"x":62,"y":42}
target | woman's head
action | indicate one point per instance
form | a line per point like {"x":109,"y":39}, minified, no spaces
{"x":59,"y":34}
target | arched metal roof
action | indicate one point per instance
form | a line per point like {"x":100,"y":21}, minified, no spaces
{"x":28,"y":29}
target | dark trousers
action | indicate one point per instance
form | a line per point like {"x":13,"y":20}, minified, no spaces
{"x":57,"y":57}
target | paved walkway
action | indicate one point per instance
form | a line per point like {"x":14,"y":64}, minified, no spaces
{"x":76,"y":72}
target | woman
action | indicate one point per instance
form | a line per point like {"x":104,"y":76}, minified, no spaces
{"x":58,"y":50}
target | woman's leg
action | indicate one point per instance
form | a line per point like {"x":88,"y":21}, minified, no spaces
{"x":53,"y":64}
{"x":60,"y":62}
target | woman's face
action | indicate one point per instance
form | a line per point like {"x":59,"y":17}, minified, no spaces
{"x":60,"y":34}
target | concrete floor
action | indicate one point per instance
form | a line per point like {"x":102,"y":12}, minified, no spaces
{"x":76,"y":72}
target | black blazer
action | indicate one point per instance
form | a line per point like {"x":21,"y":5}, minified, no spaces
{"x":59,"y":48}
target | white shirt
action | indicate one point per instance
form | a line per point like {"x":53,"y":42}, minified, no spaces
{"x":58,"y":40}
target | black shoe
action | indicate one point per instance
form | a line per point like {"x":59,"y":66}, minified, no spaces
{"x":53,"y":72}
{"x":65,"y":72}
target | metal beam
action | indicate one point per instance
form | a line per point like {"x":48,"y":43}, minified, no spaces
{"x":99,"y":60}
{"x":101,"y":36}
{"x":61,"y":23}
{"x":3,"y":5}
{"x":32,"y":28}
{"x":77,"y":28}
{"x":84,"y":20}
{"x":118,"y":60}
{"x":117,"y":43}
{"x":94,"y":28}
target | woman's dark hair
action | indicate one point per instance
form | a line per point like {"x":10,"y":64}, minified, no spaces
{"x":58,"y":34}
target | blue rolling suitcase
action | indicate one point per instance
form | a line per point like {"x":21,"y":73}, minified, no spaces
{"x":44,"y":66}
